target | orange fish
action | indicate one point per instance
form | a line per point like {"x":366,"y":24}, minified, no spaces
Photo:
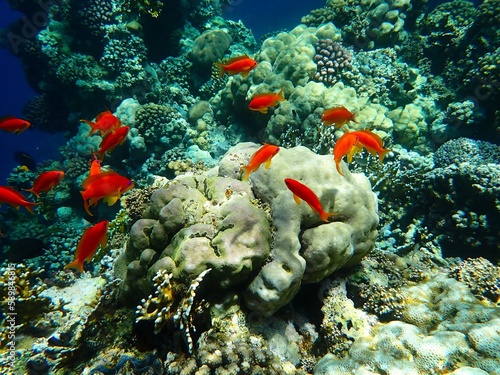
{"x":46,"y":181}
{"x":338,"y":116}
{"x":241,"y":64}
{"x":108,"y":186}
{"x":15,"y":199}
{"x":301,"y":191}
{"x":105,"y":122}
{"x":372,"y":142}
{"x":91,"y":239}
{"x":262,"y":155}
{"x":11,"y":124}
{"x":346,"y":145}
{"x":112,"y":140}
{"x":95,"y":167}
{"x":262,"y":102}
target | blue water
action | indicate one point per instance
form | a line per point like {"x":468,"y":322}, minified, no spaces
{"x":15,"y":93}
{"x":267,"y":16}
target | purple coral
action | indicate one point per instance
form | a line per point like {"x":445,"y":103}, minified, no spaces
{"x":331,"y":59}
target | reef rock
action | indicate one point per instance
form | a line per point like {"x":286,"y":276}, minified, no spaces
{"x":215,"y":221}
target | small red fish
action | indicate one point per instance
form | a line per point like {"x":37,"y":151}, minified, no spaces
{"x":46,"y":181}
{"x":346,"y":145}
{"x":112,"y":140}
{"x":262,"y":155}
{"x":241,"y":64}
{"x":91,"y":239}
{"x":301,"y":191}
{"x":105,"y":122}
{"x":108,"y":186}
{"x":338,"y":116}
{"x":95,"y":167}
{"x":15,"y":199}
{"x":262,"y":102}
{"x":372,"y":142}
{"x":11,"y":124}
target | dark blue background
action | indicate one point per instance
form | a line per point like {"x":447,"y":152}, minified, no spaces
{"x":14,"y":94}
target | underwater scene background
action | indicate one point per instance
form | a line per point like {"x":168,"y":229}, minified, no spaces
{"x":155,"y":159}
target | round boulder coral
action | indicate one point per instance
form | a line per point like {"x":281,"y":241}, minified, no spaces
{"x":196,"y":224}
{"x":306,"y":249}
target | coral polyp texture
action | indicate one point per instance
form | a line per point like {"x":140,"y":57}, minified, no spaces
{"x":332,"y":59}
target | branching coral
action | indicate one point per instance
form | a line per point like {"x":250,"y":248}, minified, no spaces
{"x":20,"y":289}
{"x":480,"y":275}
{"x":172,"y":305}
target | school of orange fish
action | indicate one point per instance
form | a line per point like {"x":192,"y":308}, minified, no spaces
{"x":108,"y":186}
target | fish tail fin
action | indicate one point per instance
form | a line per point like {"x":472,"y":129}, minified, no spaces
{"x":76,"y":264}
{"x":29,"y":206}
{"x":337,"y":165}
{"x":382,"y":154}
{"x":280,"y":96}
{"x":246,"y":173}
{"x":91,"y":124}
{"x":32,"y":191}
{"x":325,"y":216}
{"x":86,"y":204}
{"x":220,"y":67}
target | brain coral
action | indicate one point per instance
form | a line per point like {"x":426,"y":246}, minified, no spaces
{"x":214,"y":221}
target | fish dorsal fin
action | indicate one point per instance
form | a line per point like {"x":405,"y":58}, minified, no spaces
{"x":237,"y":58}
{"x":5,"y":118}
{"x":102,"y":114}
{"x":375,"y":136}
{"x":15,"y":192}
{"x":90,"y":179}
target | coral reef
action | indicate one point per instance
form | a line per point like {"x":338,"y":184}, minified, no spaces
{"x":462,"y":204}
{"x":481,"y":276}
{"x":331,"y":58}
{"x":373,"y":83}
{"x":441,"y":328}
{"x":374,"y":24}
{"x":169,"y":306}
{"x":213,"y":221}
